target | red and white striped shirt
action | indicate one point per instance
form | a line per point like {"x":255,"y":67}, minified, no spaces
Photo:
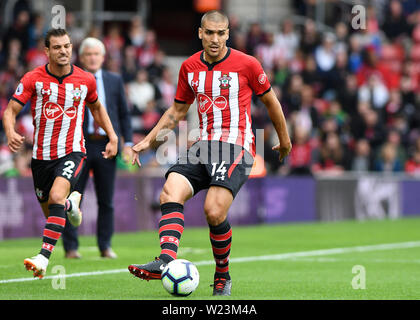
{"x":57,"y":107}
{"x":223,"y":91}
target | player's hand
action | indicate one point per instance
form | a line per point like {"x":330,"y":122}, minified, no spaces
{"x":127,"y":154}
{"x":139,"y":147}
{"x":111,"y":149}
{"x":284,"y":150}
{"x":15,"y":141}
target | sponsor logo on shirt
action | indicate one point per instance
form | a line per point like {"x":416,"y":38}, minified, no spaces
{"x":205,"y":102}
{"x":53,"y":111}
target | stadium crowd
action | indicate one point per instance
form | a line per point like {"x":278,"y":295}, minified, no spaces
{"x":351,"y":96}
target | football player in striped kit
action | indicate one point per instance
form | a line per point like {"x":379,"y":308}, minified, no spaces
{"x":222,"y":81}
{"x":58,"y":93}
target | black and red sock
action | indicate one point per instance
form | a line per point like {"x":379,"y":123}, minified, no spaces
{"x":171,"y":226}
{"x":221,"y":239}
{"x":53,"y":228}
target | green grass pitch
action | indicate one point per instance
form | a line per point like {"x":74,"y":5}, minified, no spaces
{"x":270,"y":262}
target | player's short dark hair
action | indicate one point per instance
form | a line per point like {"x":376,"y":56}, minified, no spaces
{"x":54,"y":33}
{"x":215,"y":15}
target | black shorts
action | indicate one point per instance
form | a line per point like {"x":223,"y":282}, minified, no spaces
{"x":44,"y":172}
{"x":214,"y":163}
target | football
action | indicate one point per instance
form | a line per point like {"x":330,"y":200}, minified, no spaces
{"x":180,"y":277}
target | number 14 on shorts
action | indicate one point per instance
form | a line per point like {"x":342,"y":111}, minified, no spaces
{"x":219,"y":169}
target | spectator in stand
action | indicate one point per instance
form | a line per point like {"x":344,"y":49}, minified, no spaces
{"x":147,"y":52}
{"x":412,"y":166}
{"x":37,"y":30}
{"x":372,"y":23}
{"x":355,"y":53}
{"x":387,"y":160}
{"x":338,"y":73}
{"x":401,"y":125}
{"x":372,"y":65}
{"x":311,"y":76}
{"x":342,"y":36}
{"x":239,"y":42}
{"x":155,"y":69}
{"x":292,"y":97}
{"x":15,"y":51}
{"x":371,"y":129}
{"x":114,"y":44}
{"x":140,"y":94}
{"x":287,"y":39}
{"x":268,"y":52}
{"x":393,"y":106}
{"x":336,"y":114}
{"x":394,"y":138}
{"x":234,"y":31}
{"x":408,"y":97}
{"x":331,"y":158}
{"x":375,"y":92}
{"x":347,"y":95}
{"x":18,"y":30}
{"x":77,"y":32}
{"x":300,"y":159}
{"x":36,"y":56}
{"x":150,"y":117}
{"x":325,"y":54}
{"x":136,"y":32}
{"x":310,"y":38}
{"x":325,"y":57}
{"x":396,"y":24}
{"x":255,"y":37}
{"x":307,"y":116}
{"x":281,"y":72}
{"x":130,"y":66}
{"x":361,"y":159}
{"x":10,"y":76}
{"x":167,"y":89}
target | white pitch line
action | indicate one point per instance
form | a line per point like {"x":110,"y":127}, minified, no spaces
{"x":281,"y":256}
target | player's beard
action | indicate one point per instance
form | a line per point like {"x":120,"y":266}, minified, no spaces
{"x":62,"y":64}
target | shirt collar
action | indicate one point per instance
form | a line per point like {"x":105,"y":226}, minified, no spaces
{"x":98,"y":74}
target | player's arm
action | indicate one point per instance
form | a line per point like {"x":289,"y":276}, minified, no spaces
{"x":102,"y":119}
{"x":169,"y":120}
{"x":276,"y":115}
{"x":14,"y":140}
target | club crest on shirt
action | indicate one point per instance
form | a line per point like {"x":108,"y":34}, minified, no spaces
{"x":77,"y":93}
{"x":224,"y":81}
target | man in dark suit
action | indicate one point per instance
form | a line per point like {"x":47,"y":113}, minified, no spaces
{"x":111,"y":94}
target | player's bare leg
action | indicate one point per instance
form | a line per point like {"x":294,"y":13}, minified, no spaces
{"x":176,"y":191}
{"x":216,"y":207}
{"x":53,"y":227}
{"x":177,"y":188}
